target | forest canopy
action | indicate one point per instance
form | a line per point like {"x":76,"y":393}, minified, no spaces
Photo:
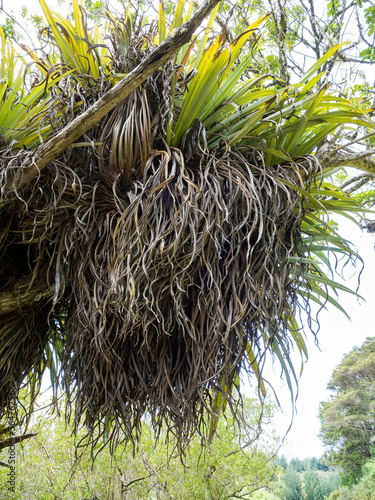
{"x":347,"y":418}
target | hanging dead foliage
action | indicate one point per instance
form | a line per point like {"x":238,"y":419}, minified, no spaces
{"x":161,"y":287}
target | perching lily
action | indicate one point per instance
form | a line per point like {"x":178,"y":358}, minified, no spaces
{"x":174,"y":244}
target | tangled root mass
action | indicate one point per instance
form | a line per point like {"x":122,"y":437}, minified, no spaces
{"x":160,"y":276}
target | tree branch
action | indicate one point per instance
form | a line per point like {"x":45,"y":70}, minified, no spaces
{"x":356,"y":60}
{"x":6,"y":443}
{"x":92,"y":116}
{"x":12,"y":299}
{"x":332,"y":160}
{"x":358,"y":181}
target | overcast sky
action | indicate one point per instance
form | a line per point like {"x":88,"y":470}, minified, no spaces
{"x":337,"y":335}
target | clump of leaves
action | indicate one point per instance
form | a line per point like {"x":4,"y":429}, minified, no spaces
{"x":176,"y":243}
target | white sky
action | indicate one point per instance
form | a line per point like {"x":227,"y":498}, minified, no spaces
{"x":337,"y":335}
{"x":32,"y":5}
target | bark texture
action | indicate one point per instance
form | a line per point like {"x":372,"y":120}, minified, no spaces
{"x":21,"y":296}
{"x":332,"y":160}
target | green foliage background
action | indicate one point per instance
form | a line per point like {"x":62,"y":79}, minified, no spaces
{"x":47,"y":467}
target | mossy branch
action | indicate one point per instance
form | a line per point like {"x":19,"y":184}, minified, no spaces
{"x":20,"y":295}
{"x":361,"y":160}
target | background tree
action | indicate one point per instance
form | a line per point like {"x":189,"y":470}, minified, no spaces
{"x":329,"y":481}
{"x":312,"y":490}
{"x":233,"y":467}
{"x":299,"y":27}
{"x":299,"y":33}
{"x":306,"y":479}
{"x":363,"y":490}
{"x":348,"y":418}
{"x":292,"y":484}
{"x":307,"y":464}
